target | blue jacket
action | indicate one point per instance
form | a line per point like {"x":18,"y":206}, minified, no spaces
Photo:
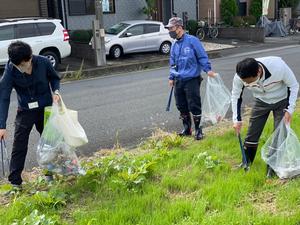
{"x":29,"y":88}
{"x":188,"y":58}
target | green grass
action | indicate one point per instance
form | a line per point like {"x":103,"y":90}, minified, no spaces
{"x":168,"y":180}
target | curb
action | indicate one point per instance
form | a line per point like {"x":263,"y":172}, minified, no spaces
{"x":129,"y":67}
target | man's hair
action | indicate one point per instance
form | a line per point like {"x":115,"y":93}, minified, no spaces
{"x":247,"y":68}
{"x":19,"y":51}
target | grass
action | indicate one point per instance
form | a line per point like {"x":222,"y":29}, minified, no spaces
{"x":167,"y":180}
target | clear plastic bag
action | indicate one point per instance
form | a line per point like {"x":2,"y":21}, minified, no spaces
{"x":282,"y":152}
{"x":53,"y":153}
{"x":216,"y":101}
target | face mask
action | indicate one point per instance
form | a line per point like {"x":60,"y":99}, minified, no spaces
{"x":173,"y":34}
{"x":254,"y":83}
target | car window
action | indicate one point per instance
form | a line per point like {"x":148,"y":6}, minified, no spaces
{"x":136,"y":30}
{"x":117,"y":28}
{"x":151,"y":28}
{"x":46,"y":28}
{"x":7,"y":33}
{"x":26,"y":30}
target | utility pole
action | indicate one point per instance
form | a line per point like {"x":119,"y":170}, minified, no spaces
{"x":99,"y":34}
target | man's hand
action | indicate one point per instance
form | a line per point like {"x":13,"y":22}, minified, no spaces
{"x":171,"y":83}
{"x":2,"y":133}
{"x":237,"y":126}
{"x":55,"y":98}
{"x":287,"y":117}
{"x":211,"y":73}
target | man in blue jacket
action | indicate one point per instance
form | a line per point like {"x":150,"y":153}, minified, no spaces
{"x":188,"y":59}
{"x":36,"y":84}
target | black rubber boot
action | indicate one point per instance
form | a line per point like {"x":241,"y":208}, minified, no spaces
{"x":186,"y":121}
{"x":198,"y":129}
{"x":250,"y":153}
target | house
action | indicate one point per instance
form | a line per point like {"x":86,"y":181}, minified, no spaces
{"x":78,"y":14}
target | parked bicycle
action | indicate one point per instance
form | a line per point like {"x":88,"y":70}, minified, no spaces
{"x":293,"y":26}
{"x":205,"y":29}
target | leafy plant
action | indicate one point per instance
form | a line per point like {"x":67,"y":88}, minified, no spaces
{"x":256,"y":8}
{"x":208,"y":161}
{"x":192,"y":26}
{"x":150,"y":8}
{"x":229,"y":10}
{"x":81,"y":36}
{"x":288,"y":3}
{"x":238,"y":21}
{"x":35,"y":218}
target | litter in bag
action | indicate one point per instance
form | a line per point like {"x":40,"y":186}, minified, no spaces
{"x":53,"y":152}
{"x":216,"y":101}
{"x":282,"y":152}
{"x":67,"y":123}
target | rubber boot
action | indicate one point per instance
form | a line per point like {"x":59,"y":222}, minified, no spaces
{"x":198,"y":129}
{"x":250,"y":153}
{"x":186,"y":121}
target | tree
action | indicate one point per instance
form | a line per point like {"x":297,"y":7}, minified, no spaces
{"x":256,"y":9}
{"x":229,"y":10}
{"x":150,"y":8}
{"x":288,"y":3}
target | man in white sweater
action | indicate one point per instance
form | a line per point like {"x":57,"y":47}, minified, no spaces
{"x":274,"y":87}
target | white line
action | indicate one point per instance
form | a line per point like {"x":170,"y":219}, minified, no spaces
{"x":261,"y":51}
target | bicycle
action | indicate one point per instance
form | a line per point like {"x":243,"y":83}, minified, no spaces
{"x":205,"y":29}
{"x":293,"y":26}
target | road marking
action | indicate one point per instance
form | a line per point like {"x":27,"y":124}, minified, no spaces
{"x":260,"y":51}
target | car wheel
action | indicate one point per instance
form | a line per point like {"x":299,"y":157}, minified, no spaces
{"x":52,"y":57}
{"x":116,"y":52}
{"x":165,"y":48}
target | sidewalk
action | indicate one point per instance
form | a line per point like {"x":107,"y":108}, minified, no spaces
{"x":140,"y":61}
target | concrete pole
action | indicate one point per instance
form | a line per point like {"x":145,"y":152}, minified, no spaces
{"x":99,"y":34}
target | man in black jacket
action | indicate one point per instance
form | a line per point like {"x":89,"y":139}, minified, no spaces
{"x":36,"y":84}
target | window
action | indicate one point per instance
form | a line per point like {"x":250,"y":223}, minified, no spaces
{"x":6,"y":33}
{"x":136,"y":30}
{"x":46,"y":28}
{"x":151,"y":28}
{"x":87,"y":7}
{"x":26,"y":30}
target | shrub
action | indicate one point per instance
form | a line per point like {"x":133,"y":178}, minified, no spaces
{"x":249,"y":20}
{"x":256,"y":9}
{"x":192,"y":26}
{"x":238,"y":21}
{"x":81,"y":36}
{"x":229,"y":10}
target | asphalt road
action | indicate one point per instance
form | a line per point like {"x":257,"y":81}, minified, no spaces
{"x":128,"y":107}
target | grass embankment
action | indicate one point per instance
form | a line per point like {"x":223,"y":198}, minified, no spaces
{"x":168,"y":180}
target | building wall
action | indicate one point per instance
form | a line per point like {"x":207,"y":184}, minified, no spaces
{"x":188,"y":6}
{"x":16,"y":8}
{"x":124,"y":10}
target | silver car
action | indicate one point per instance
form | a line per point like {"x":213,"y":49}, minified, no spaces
{"x":137,"y":36}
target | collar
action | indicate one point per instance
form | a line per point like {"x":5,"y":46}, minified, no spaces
{"x":266,"y":72}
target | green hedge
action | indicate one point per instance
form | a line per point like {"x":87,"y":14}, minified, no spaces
{"x":81,"y":36}
{"x":229,"y":10}
{"x":192,"y":26}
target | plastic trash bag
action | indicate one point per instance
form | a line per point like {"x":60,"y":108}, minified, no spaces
{"x":53,"y":153}
{"x":216,"y":101}
{"x":67,"y":123}
{"x":282,"y":152}
{"x":4,"y":158}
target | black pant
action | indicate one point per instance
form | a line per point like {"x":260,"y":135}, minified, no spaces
{"x":23,"y":126}
{"x":259,"y":116}
{"x":187,"y":96}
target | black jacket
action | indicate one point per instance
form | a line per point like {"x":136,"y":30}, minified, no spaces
{"x":36,"y":87}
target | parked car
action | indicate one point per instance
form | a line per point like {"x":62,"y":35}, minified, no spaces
{"x":46,"y":37}
{"x":136,"y":36}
